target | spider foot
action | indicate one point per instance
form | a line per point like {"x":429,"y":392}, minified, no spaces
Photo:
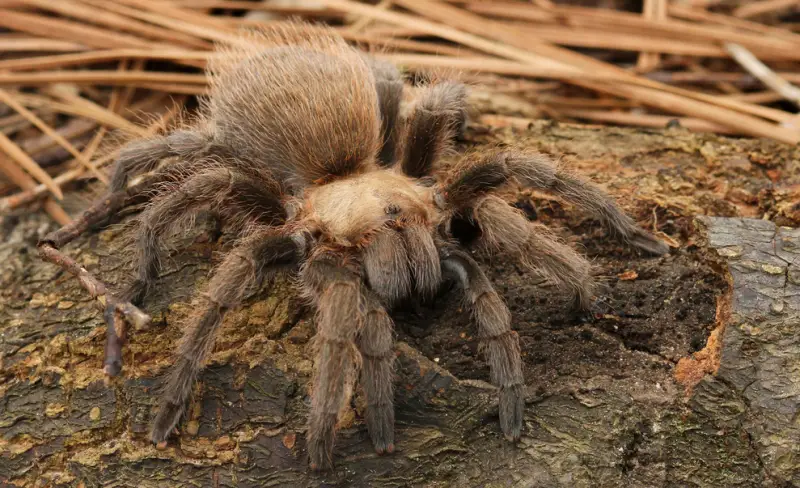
{"x":512,"y":407}
{"x":320,"y":443}
{"x":648,"y":243}
{"x":599,"y":308}
{"x":583,"y":298}
{"x":166,"y":419}
{"x":380,"y":423}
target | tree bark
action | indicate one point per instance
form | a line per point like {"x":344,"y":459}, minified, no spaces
{"x":689,"y":379}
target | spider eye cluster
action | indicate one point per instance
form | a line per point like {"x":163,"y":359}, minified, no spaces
{"x":392,"y":210}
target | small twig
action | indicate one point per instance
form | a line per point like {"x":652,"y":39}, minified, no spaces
{"x":361,"y":22}
{"x":23,"y":44}
{"x":655,"y":10}
{"x":24,"y":181}
{"x":76,"y":10}
{"x":33,"y":191}
{"x":6,"y":98}
{"x":21,"y":157}
{"x":95,"y":287}
{"x":118,"y":313}
{"x":89,"y":57}
{"x":98,"y":77}
{"x":646,"y":120}
{"x":77,"y":105}
{"x":13,"y":123}
{"x":752,"y":9}
{"x":761,"y":71}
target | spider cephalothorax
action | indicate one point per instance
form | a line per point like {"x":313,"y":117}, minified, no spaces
{"x":304,"y":151}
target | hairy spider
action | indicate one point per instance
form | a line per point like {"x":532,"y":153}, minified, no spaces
{"x":307,"y":150}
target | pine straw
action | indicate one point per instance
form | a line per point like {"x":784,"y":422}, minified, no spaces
{"x":74,"y":72}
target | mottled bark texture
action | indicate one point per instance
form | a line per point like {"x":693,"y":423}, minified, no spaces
{"x":689,"y":379}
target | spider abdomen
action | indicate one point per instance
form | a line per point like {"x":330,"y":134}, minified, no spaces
{"x":304,"y":111}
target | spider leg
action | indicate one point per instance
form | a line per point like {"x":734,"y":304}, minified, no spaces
{"x":340,"y":305}
{"x":401,"y":257}
{"x":386,"y":263}
{"x":389,"y":84}
{"x":262,"y":253}
{"x":376,"y":342}
{"x":539,"y":172}
{"x":423,"y":257}
{"x":136,"y":157}
{"x":498,"y":341}
{"x":144,"y":155}
{"x":504,"y":228}
{"x":234,"y":196}
{"x":439,"y":113}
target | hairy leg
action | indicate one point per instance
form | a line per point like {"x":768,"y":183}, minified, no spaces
{"x":261,"y":253}
{"x":424,"y":258}
{"x":336,"y":286}
{"x":134,"y":158}
{"x":537,"y":171}
{"x":504,"y":228}
{"x":389,"y":84}
{"x":144,"y":155}
{"x":236,"y":197}
{"x":376,"y":343}
{"x":386,"y":263}
{"x":439,"y":113}
{"x":499,"y":342}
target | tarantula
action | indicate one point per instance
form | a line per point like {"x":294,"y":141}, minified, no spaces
{"x":307,"y":149}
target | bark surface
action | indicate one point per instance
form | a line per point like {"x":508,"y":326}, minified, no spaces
{"x":689,"y":379}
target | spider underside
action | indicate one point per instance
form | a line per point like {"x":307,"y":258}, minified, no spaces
{"x":309,"y":153}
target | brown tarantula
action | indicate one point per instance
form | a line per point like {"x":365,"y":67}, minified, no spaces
{"x":307,"y":150}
